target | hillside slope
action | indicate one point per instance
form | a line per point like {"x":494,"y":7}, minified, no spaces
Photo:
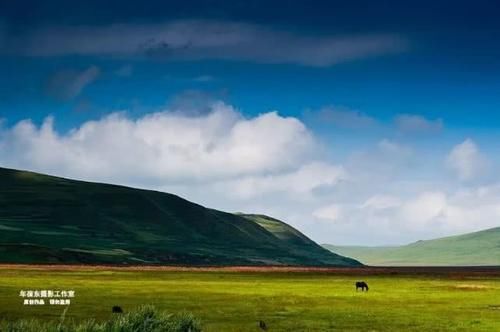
{"x":45,"y":219}
{"x":473,"y":249}
{"x":297,"y":242}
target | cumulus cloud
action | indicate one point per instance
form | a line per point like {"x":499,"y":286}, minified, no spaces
{"x":299,"y":184}
{"x":161,"y":147}
{"x":466,"y":160}
{"x":68,"y":84}
{"x":412,"y":123}
{"x":421,"y":215}
{"x":200,"y":39}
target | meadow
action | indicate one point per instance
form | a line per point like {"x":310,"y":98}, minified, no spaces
{"x":286,"y":300}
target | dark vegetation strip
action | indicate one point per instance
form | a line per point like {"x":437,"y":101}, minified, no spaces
{"x":433,"y":270}
{"x":144,"y":319}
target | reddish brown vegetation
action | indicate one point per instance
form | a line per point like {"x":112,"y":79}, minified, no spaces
{"x":450,"y":271}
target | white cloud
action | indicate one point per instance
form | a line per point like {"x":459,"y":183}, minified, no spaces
{"x":381,"y":202}
{"x":386,"y":219}
{"x":466,"y":160}
{"x":298,"y":184}
{"x":389,"y":147}
{"x":412,"y":123}
{"x":198,"y":39}
{"x":421,"y":211}
{"x":331,"y":212}
{"x":452,"y":213}
{"x":68,"y":84}
{"x":161,"y":147}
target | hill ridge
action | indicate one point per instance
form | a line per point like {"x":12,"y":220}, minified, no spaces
{"x":48,"y":219}
{"x":478,"y":248}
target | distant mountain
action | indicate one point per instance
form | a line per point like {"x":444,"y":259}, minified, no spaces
{"x":45,"y":219}
{"x":473,"y":249}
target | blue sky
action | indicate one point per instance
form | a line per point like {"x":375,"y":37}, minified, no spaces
{"x":394,"y":104}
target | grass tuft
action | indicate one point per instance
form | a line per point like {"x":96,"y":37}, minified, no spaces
{"x":144,"y":319}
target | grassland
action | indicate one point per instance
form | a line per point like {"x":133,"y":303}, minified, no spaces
{"x":472,"y":249}
{"x":236,"y":299}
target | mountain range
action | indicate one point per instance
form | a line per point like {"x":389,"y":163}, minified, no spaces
{"x":473,"y":249}
{"x":46,"y":219}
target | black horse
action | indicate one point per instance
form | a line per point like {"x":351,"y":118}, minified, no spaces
{"x":361,"y":284}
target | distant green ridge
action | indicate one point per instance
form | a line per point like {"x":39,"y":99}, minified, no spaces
{"x":45,"y":219}
{"x":473,"y":249}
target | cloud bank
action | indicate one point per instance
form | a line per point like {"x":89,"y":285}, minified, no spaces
{"x":201,"y":39}
{"x":161,"y":147}
{"x":269,"y":164}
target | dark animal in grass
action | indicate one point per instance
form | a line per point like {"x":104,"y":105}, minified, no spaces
{"x":361,"y":284}
{"x":117,"y":309}
{"x":263,"y":325}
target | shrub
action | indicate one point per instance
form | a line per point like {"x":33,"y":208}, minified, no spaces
{"x":144,"y":319}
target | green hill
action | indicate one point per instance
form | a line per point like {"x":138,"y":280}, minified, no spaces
{"x":473,"y":249}
{"x":45,"y":219}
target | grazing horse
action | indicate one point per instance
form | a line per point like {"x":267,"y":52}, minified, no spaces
{"x":361,"y":284}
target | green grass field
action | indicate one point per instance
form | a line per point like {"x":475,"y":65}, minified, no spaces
{"x":286,"y":301}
